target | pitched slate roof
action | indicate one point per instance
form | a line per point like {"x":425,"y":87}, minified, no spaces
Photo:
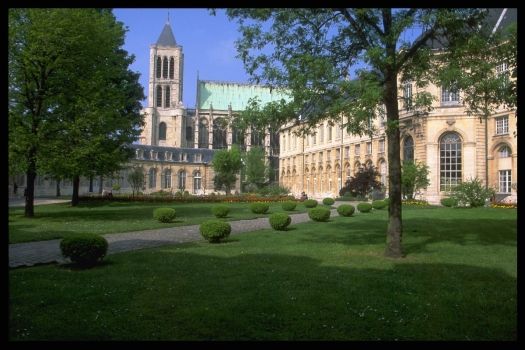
{"x":166,"y":38}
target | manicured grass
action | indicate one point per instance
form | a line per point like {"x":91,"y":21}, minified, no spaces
{"x":317,"y":281}
{"x":55,"y":221}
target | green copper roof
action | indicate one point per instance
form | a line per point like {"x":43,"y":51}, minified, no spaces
{"x":221,"y":94}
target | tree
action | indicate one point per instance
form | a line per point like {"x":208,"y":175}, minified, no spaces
{"x":136,"y":179}
{"x":310,"y":52}
{"x":256,"y":170}
{"x":414,"y":176}
{"x":73,"y":103}
{"x":226,"y":165}
{"x":363,"y":182}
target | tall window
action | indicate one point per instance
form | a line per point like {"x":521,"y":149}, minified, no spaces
{"x":152,"y":178}
{"x":159,"y":66}
{"x":166,"y":179}
{"x":219,"y":134}
{"x":329,"y":133}
{"x":164,"y":67}
{"x":172,"y":67}
{"x":382,"y":146}
{"x":504,"y":181}
{"x":449,"y":95}
{"x":167,"y":98}
{"x":383,"y":172}
{"x":502,"y":70}
{"x":182,"y":180}
{"x":197,"y":181}
{"x":369,"y":148}
{"x":347,"y":152}
{"x":357,"y":149}
{"x":256,"y":137}
{"x":284,"y":142}
{"x":313,"y":139}
{"x":502,"y":125}
{"x":504,"y":151}
{"x":407,"y":95}
{"x":450,"y":161}
{"x":203,"y":133}
{"x":408,"y":149}
{"x":321,"y":134}
{"x":162,"y":131}
{"x":159,"y":96}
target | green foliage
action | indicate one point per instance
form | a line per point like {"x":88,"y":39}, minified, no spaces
{"x":364,"y":207}
{"x":379,"y":204}
{"x":363,"y":182}
{"x":346,"y":210}
{"x":86,"y":249}
{"x":215,"y":230}
{"x":226,"y":165}
{"x":289,"y":205}
{"x":414,"y":176}
{"x":164,"y":214}
{"x":328,"y":201}
{"x":310,"y":203}
{"x":319,"y":214}
{"x":448,"y":202}
{"x":220,"y":211}
{"x":471,"y":194}
{"x":259,"y":208}
{"x":136,"y":179}
{"x":255,"y":167}
{"x":273,"y":190}
{"x":279,"y":221}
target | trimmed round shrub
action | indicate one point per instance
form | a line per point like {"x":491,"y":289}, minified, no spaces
{"x":164,"y":214}
{"x":310,"y":203}
{"x":289,"y":205}
{"x":319,"y":214}
{"x":220,"y":211}
{"x":259,"y":208}
{"x":85,"y":249}
{"x":448,"y":202}
{"x":279,"y":221}
{"x":364,"y":207}
{"x":215,"y":230}
{"x":328,"y":201}
{"x":379,"y":204}
{"x":346,"y":210}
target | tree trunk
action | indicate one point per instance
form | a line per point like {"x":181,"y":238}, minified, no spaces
{"x":76,"y":184}
{"x":58,"y":187}
{"x":29,"y":192}
{"x":101,"y":184}
{"x":395,"y":228}
{"x":91,"y":183}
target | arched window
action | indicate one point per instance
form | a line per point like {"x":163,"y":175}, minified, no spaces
{"x":504,"y":151}
{"x":159,"y":96}
{"x":197,"y":181}
{"x":166,"y":183}
{"x":152,"y":178}
{"x":164,"y":67}
{"x":182,"y":180}
{"x":167,"y":98}
{"x":449,"y":161}
{"x":159,"y":66}
{"x":238,"y":138}
{"x":257,"y":137}
{"x":408,"y":149}
{"x":172,"y":67}
{"x":162,"y":131}
{"x":219,"y":133}
{"x":203,"y":133}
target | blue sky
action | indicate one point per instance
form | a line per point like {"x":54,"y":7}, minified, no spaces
{"x":207,"y":43}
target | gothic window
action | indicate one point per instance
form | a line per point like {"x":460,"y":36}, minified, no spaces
{"x":197,"y":181}
{"x":162,"y":131}
{"x":450,"y":161}
{"x":152,"y":178}
{"x":203,"y":133}
{"x":219,"y":133}
{"x":182,"y":180}
{"x":167,"y":97}
{"x":257,"y":137}
{"x":238,"y":138}
{"x":159,"y":66}
{"x":159,"y":96}
{"x":408,"y":149}
{"x":172,"y":67}
{"x":164,"y":67}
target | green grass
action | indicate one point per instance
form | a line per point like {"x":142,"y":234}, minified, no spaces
{"x":54,"y":221}
{"x":317,"y":281}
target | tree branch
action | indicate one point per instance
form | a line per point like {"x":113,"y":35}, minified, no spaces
{"x":415,"y":47}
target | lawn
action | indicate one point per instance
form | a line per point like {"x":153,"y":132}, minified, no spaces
{"x":55,"y":221}
{"x":316,"y":281}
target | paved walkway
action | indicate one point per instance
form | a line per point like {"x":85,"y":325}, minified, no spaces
{"x":31,"y":253}
{"x":20,"y":202}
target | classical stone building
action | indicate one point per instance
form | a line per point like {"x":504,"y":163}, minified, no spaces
{"x":455,"y":146}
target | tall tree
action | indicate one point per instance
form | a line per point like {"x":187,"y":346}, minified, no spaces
{"x":73,"y":102}
{"x":310,"y":53}
{"x":226,"y":165}
{"x":256,"y":170}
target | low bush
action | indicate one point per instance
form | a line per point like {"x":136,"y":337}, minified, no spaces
{"x":84,"y":249}
{"x":289,"y":206}
{"x":259,"y":208}
{"x":364,"y":207}
{"x":319,"y":214}
{"x":448,"y":202}
{"x":220,"y":211}
{"x":215,"y":230}
{"x":379,"y":204}
{"x":472,"y":193}
{"x":310,"y":203}
{"x":279,"y":221}
{"x":164,"y":214}
{"x":346,"y":210}
{"x":328,"y":201}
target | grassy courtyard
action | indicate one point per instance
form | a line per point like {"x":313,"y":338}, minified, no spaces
{"x":55,"y":221}
{"x":316,"y":281}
